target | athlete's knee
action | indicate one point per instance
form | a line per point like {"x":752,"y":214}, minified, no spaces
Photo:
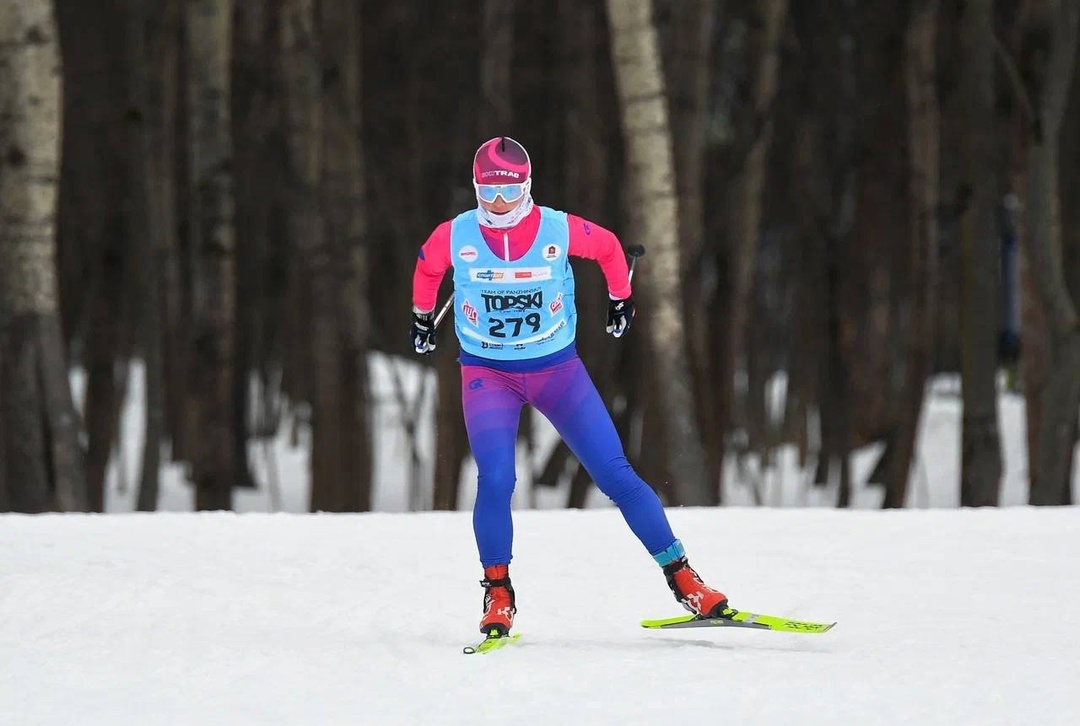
{"x":495,"y":481}
{"x":621,"y":484}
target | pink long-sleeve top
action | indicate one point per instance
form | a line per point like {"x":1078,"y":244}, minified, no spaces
{"x":587,"y":240}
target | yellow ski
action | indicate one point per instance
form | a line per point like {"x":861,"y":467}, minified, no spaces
{"x":739,"y":619}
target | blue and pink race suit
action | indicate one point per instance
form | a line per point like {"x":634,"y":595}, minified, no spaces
{"x":515,"y":319}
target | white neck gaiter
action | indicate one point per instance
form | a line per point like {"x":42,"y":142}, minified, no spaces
{"x":505,"y":221}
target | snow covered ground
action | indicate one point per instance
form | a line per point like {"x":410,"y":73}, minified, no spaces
{"x":945,"y":617}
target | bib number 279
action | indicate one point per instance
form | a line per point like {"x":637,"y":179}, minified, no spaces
{"x":499,"y":326}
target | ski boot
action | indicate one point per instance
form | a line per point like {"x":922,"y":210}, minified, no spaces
{"x":695,"y":595}
{"x":499,"y":607}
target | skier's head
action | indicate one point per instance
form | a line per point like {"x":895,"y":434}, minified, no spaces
{"x":502,"y":174}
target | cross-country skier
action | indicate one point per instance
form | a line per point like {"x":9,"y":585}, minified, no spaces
{"x":515,"y":320}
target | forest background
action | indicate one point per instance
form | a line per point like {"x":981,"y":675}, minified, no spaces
{"x":853,"y":196}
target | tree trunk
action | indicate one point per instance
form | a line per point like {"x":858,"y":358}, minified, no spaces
{"x":1070,"y":188}
{"x":1070,"y":195}
{"x":176,"y":284}
{"x":747,"y":187}
{"x":40,"y":449}
{"x":818,"y":66}
{"x":256,"y":161}
{"x":343,"y":217}
{"x":451,"y":443}
{"x":1051,"y":74}
{"x":981,"y":447}
{"x":152,"y":55}
{"x":264,"y":306}
{"x":877,"y":278}
{"x":304,"y":106}
{"x":92,"y":234}
{"x":24,"y":446}
{"x":653,"y":219}
{"x":688,"y":75}
{"x":920,"y":76}
{"x":587,"y":153}
{"x":451,"y":439}
{"x":213,"y":247}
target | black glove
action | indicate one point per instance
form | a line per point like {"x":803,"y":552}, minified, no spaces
{"x":423,"y":331}
{"x":620,"y":313}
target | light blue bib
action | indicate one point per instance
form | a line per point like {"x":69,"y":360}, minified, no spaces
{"x":513,"y":310}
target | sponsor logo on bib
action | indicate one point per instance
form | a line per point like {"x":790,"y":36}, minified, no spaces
{"x":509,"y":275}
{"x":555,"y":305}
{"x":469,"y":312}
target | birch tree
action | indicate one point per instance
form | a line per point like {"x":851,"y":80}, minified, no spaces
{"x":653,"y":219}
{"x":40,"y":455}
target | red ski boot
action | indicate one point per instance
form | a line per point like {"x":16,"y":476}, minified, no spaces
{"x":499,"y":605}
{"x":695,"y":595}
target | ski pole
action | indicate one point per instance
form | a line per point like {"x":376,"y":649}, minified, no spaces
{"x":635,"y":251}
{"x":444,"y":309}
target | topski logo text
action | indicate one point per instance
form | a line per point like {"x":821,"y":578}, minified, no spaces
{"x":528,"y":301}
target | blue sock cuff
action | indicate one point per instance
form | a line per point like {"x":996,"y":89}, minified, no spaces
{"x":666,"y":556}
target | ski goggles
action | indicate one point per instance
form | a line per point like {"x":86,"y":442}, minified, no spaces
{"x":509,"y":192}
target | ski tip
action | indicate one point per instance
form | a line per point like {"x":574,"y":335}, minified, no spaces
{"x":667,"y":622}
